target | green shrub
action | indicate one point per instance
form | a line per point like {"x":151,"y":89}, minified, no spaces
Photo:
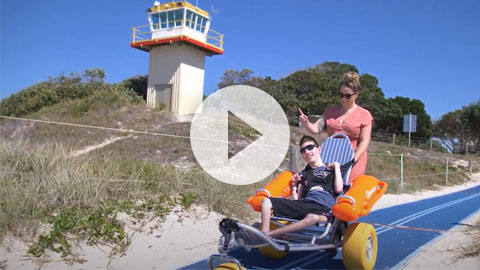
{"x":59,"y":89}
{"x":137,"y":84}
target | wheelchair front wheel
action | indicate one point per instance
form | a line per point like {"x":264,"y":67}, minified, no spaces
{"x":359,"y":247}
{"x":268,"y":251}
{"x":271,"y":253}
{"x":229,"y":266}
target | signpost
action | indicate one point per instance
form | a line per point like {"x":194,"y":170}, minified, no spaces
{"x":409,"y":125}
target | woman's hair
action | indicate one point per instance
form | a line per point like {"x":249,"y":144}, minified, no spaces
{"x":352,"y":80}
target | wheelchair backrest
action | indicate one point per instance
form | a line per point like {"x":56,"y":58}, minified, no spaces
{"x":337,"y":148}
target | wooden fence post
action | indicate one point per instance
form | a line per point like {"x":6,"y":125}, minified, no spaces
{"x":446,"y":173}
{"x":401,"y":170}
{"x":293,"y":158}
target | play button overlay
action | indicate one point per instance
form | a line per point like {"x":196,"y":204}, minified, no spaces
{"x":240,"y":137}
{"x":258,"y":158}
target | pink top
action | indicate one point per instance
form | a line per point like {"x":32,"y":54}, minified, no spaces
{"x":351,"y":127}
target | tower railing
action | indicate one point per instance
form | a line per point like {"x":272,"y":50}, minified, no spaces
{"x":144,"y":32}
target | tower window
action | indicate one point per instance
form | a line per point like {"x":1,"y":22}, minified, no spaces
{"x":163,"y":20}
{"x":155,"y":21}
{"x":178,"y":15}
{"x":195,"y":21}
{"x":175,"y":18}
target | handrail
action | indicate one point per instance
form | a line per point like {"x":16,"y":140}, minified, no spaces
{"x":144,"y":32}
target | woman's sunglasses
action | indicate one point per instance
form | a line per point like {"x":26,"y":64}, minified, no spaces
{"x":347,"y":96}
{"x":307,"y":147}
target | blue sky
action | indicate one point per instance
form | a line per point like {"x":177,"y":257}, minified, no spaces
{"x":427,"y":50}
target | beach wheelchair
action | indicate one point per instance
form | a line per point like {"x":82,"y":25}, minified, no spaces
{"x":358,"y":241}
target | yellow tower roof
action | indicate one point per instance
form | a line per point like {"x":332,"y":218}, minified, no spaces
{"x":177,"y":4}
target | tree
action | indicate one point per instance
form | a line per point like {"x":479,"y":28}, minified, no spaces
{"x":335,"y":67}
{"x":384,"y":112}
{"x":137,"y":84}
{"x":458,"y":128}
{"x":451,"y":130}
{"x":314,"y":89}
{"x":243,"y":77}
{"x":94,"y":75}
{"x":471,"y":114}
{"x":415,"y":107}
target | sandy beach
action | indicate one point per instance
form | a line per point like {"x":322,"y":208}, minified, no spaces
{"x":445,"y":252}
{"x":187,"y":236}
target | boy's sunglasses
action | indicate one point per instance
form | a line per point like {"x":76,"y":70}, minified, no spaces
{"x":307,"y":147}
{"x":347,"y":96}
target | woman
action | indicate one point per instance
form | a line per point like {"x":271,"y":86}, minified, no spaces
{"x":348,"y":118}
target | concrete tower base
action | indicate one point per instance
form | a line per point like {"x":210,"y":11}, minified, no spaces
{"x":175,"y":78}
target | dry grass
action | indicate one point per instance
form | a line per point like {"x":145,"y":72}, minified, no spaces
{"x":473,"y":250}
{"x":422,"y":170}
{"x":36,"y":179}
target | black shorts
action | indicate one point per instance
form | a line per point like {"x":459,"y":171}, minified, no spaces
{"x":297,"y":209}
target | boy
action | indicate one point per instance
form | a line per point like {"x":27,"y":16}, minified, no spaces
{"x":313,"y":192}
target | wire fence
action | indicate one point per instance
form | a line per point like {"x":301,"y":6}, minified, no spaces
{"x":443,"y":161}
{"x":89,"y":178}
{"x":441,"y":167}
{"x":431,"y":144}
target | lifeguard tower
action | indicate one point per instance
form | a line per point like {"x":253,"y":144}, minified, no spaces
{"x":178,"y":37}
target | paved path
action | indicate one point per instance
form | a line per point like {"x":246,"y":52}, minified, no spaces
{"x":395,"y":246}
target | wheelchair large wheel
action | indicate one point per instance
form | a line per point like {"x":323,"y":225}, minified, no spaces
{"x":268,"y":251}
{"x":359,"y":247}
{"x":229,"y":266}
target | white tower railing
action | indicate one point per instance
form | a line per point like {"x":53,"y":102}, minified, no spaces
{"x":185,"y":27}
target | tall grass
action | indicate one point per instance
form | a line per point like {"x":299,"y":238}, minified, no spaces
{"x":42,"y":179}
{"x":37,"y":178}
{"x":419,"y":172}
